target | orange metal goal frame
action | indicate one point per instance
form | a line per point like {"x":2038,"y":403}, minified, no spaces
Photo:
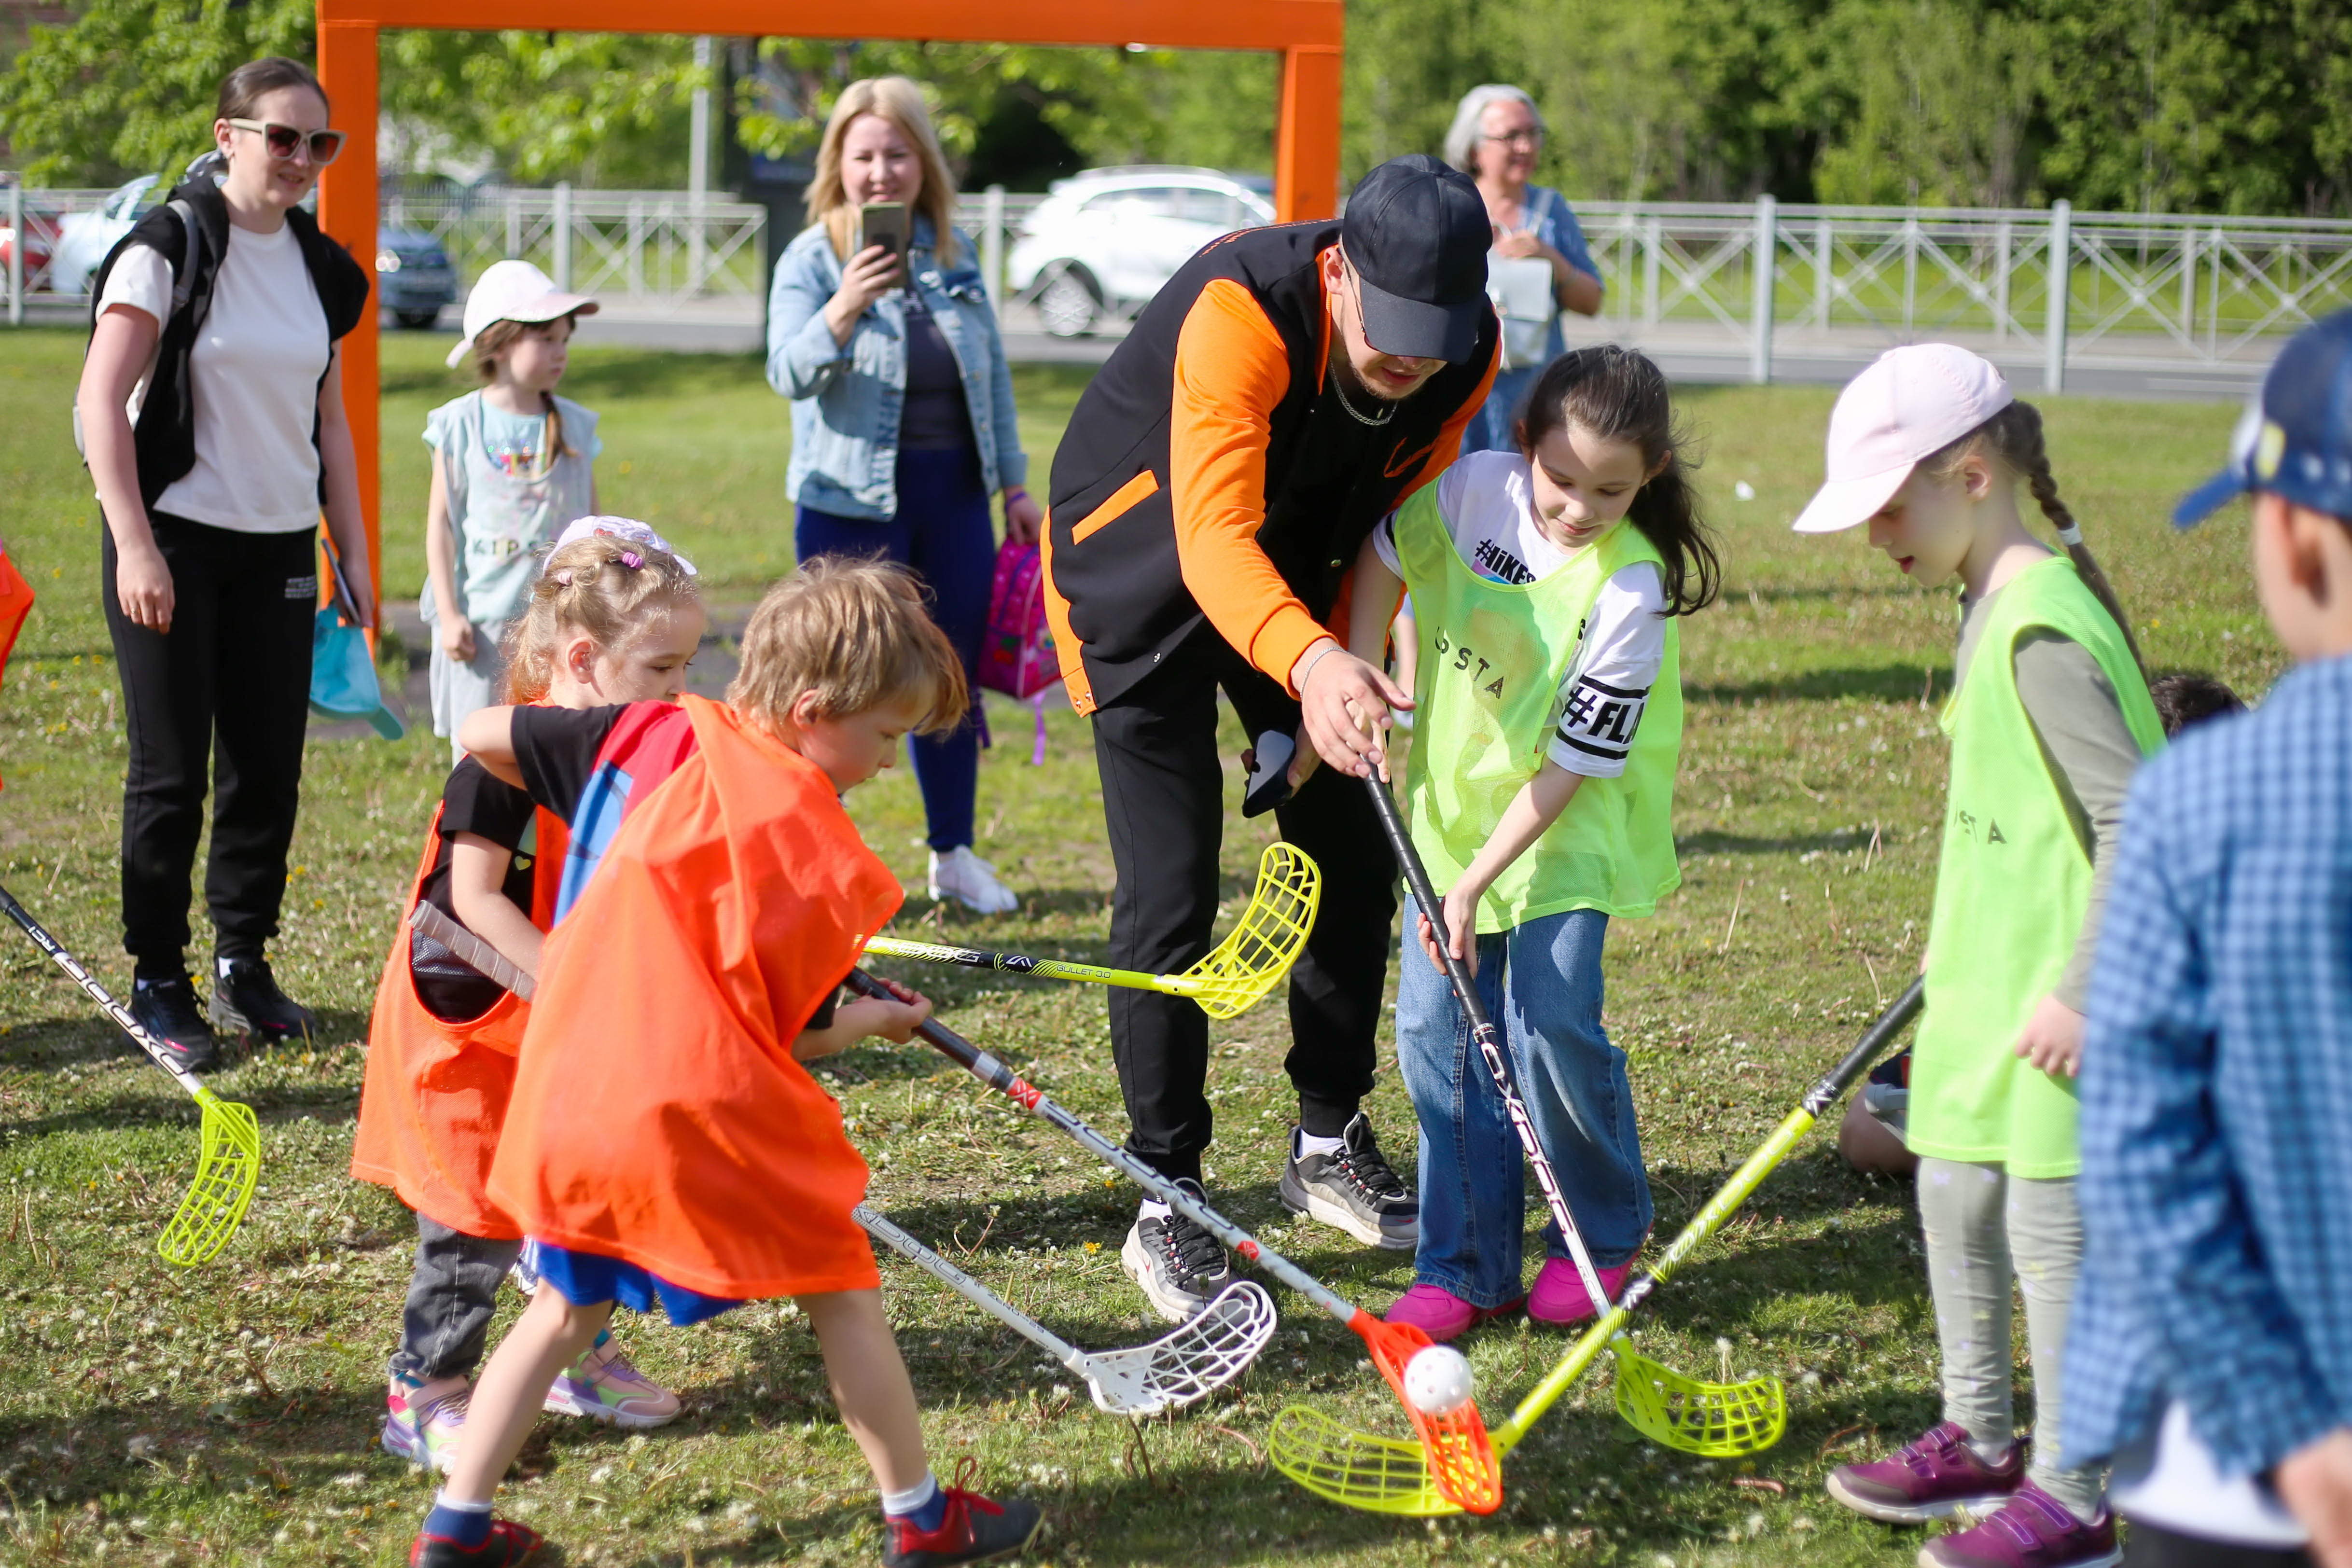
{"x":1306,"y":33}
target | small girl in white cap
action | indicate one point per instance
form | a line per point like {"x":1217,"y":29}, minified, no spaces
{"x":2049,"y":717}
{"x":513,"y":463}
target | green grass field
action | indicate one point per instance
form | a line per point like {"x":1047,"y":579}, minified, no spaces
{"x":228,"y":1415}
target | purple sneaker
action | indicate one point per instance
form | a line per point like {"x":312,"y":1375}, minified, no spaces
{"x":2032,"y":1530}
{"x":1934,"y":1477}
{"x":1442,"y":1315}
{"x":603,"y":1386}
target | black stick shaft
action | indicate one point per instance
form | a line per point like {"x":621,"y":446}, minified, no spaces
{"x":98,"y":993}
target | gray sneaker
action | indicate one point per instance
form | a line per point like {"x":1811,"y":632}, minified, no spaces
{"x":1179,"y":1265}
{"x":1354,"y":1189}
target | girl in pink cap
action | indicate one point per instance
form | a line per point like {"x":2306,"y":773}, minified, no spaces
{"x":2049,"y":717}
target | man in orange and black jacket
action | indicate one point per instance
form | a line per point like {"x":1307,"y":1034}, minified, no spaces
{"x":1289,"y":387}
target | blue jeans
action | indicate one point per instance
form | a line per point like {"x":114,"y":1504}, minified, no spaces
{"x":943,"y":533}
{"x":1491,"y":429}
{"x":1540,"y":983}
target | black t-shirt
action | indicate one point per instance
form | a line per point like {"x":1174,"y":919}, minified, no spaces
{"x":556,"y":750}
{"x":472,"y":802}
{"x":934,"y":417}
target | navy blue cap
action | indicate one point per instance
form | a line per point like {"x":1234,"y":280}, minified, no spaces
{"x":1417,"y":232}
{"x":2295,"y":439}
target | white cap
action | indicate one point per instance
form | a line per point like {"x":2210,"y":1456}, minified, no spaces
{"x":628,"y":528}
{"x":1912,"y":402}
{"x":514,"y":291}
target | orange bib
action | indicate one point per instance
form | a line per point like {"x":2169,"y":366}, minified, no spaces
{"x":436,"y":1093}
{"x":657,"y":1115}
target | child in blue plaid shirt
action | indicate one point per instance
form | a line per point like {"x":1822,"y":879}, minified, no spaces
{"x":2211,"y":1356}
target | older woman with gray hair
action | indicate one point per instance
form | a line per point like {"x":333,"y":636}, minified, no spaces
{"x":1538,"y":266}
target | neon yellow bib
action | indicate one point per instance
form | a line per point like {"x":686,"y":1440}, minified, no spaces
{"x":2011,"y":892}
{"x":1486,"y":688}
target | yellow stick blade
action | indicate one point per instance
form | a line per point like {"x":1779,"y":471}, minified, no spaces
{"x":1717,"y":1420}
{"x":228,"y":1164}
{"x":1268,"y":939}
{"x":1356,"y":1469}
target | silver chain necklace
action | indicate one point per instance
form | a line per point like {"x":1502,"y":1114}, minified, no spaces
{"x":1340,"y":385}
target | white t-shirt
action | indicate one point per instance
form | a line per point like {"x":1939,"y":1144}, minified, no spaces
{"x":254,"y":375}
{"x":1487,"y":500}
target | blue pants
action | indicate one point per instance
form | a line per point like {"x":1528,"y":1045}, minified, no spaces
{"x":1540,"y":983}
{"x":1491,"y":428}
{"x":943,"y":533}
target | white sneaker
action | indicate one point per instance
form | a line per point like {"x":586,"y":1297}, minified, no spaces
{"x":965,"y":877}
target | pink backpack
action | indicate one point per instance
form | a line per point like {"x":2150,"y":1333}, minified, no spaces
{"x":1016,"y":652}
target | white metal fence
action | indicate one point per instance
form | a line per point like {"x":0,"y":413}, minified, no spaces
{"x":2069,"y":287}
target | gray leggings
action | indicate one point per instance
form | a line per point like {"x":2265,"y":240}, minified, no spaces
{"x":1983,"y":1225}
{"x":452,"y":1293}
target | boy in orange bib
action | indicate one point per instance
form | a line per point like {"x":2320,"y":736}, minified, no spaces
{"x":664,"y":1143}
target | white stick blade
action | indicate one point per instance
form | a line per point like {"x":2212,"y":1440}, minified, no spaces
{"x":1190,"y":1363}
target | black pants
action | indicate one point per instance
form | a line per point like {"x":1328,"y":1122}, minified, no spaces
{"x":229,"y":685}
{"x":1164,"y":802}
{"x":2152,"y":1546}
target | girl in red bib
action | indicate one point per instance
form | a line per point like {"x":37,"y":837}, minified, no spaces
{"x":664,"y":1143}
{"x":611,"y":619}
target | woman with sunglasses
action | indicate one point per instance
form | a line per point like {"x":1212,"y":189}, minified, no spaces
{"x":1496,"y":139}
{"x":213,"y":419}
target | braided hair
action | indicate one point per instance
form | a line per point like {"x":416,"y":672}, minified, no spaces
{"x":2014,"y":437}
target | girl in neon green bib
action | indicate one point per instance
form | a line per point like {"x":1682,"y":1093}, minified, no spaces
{"x":1549,"y":709}
{"x":2048,"y":718}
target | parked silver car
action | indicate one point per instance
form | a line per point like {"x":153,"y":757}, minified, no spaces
{"x":1103,"y":241}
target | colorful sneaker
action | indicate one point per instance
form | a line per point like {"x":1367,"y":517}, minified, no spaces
{"x":421,"y":1421}
{"x":1443,"y":1315}
{"x":1353,"y":1189}
{"x":971,"y":881}
{"x":508,"y":1545}
{"x":974,"y":1530}
{"x":603,"y":1386}
{"x":1934,"y":1476}
{"x":2032,"y":1530}
{"x":1559,"y":1296}
{"x":1179,"y":1265}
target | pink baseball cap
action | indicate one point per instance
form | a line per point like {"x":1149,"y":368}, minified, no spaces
{"x":1912,"y":402}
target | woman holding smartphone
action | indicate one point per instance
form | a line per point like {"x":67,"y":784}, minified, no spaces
{"x":880,"y":331}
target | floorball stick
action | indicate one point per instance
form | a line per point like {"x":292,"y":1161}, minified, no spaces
{"x":229,"y":1157}
{"x":1383,"y":1466}
{"x":1191,"y":1362}
{"x":1452,"y":1453}
{"x":1762,"y":1409}
{"x":1238,"y":972}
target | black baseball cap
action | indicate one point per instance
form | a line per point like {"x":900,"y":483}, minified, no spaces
{"x":2295,"y":439}
{"x":1416,"y":233}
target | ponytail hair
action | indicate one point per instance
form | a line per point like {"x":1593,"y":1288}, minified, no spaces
{"x":602,"y":585}
{"x":2014,"y":437}
{"x":1615,"y":393}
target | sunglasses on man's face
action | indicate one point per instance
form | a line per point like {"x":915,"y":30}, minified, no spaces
{"x":285,"y":141}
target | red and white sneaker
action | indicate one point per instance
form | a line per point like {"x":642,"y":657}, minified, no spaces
{"x":973,"y":1530}
{"x":508,"y":1545}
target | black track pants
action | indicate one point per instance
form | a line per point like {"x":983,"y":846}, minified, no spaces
{"x":1164,"y":802}
{"x":228,"y":685}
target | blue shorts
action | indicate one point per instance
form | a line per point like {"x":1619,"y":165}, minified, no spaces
{"x":586,"y":1279}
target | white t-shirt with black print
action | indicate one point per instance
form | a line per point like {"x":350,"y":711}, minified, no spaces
{"x":254,"y":375}
{"x":1487,"y":499}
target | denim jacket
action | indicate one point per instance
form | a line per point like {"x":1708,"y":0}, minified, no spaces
{"x":846,"y":399}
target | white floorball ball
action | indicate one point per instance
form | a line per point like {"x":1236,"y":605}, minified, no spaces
{"x":1437,"y":1380}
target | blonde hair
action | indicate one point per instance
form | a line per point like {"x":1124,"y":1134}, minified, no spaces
{"x":495,"y":340}
{"x":900,"y":101}
{"x":858,"y":634}
{"x":590,"y":585}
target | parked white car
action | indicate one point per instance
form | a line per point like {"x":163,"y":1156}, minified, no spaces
{"x":84,"y":239}
{"x":1103,"y":242}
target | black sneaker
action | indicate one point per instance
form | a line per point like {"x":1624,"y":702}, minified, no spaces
{"x":166,"y":1010}
{"x":974,"y":1530}
{"x":1179,"y":1265}
{"x":247,"y":999}
{"x":508,"y":1545}
{"x":1354,"y":1189}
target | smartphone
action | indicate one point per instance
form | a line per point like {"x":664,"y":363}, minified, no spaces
{"x":884,"y":224}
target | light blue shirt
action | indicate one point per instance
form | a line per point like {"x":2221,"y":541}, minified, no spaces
{"x":508,"y":500}
{"x":848,"y":397}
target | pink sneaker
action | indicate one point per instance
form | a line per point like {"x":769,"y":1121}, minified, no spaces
{"x":1442,"y":1315}
{"x":1559,"y":1296}
{"x":2032,"y":1530}
{"x":1934,"y":1476}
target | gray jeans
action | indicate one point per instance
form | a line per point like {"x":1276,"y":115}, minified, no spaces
{"x":1983,"y":1225}
{"x":452,"y":1293}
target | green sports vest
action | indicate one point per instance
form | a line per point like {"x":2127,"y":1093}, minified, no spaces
{"x":1486,"y":696}
{"x":2011,"y":892}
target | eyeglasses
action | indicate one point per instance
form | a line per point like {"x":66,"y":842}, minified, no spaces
{"x":285,"y":141}
{"x":1528,"y":136}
